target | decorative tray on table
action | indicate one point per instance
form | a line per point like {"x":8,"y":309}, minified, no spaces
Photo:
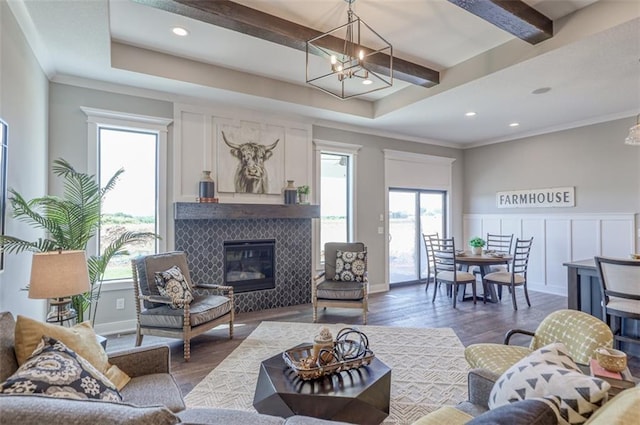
{"x":344,"y":354}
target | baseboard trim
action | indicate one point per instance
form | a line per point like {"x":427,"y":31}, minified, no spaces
{"x":114,"y":328}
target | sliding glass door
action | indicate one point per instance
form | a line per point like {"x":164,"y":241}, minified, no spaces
{"x":411,"y":213}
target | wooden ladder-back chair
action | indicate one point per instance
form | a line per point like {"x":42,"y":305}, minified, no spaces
{"x":446,"y":269}
{"x":431,"y":267}
{"x":518,"y":274}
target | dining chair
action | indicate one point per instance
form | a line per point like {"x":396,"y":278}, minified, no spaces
{"x":518,"y":274}
{"x":430,"y":259}
{"x":620,"y":289}
{"x":500,"y":244}
{"x":446,"y":269}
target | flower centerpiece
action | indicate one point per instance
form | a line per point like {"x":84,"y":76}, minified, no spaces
{"x":476,"y":245}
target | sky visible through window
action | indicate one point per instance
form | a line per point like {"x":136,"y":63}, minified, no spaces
{"x":131,"y":205}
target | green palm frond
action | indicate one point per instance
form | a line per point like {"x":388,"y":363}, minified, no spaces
{"x":70,"y":222}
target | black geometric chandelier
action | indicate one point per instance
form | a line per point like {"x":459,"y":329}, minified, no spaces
{"x":347,"y":61}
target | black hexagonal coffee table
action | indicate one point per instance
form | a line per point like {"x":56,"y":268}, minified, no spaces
{"x":359,"y":396}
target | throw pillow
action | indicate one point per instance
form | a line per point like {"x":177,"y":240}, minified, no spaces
{"x":550,"y":373}
{"x":351,"y":266}
{"x":533,"y":411}
{"x":80,"y":338}
{"x":55,"y":370}
{"x":172,"y":283}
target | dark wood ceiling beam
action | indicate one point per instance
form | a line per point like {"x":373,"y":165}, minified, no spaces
{"x":237,"y":17}
{"x":513,"y":16}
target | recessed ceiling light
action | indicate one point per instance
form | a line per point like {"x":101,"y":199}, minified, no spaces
{"x":470,"y":114}
{"x":541,"y":90}
{"x":514,"y":124}
{"x":180,"y":31}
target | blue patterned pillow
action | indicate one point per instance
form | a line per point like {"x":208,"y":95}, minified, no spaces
{"x":351,"y":266}
{"x":172,"y":283}
{"x":55,"y":370}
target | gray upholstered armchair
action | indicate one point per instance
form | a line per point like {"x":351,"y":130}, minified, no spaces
{"x":211,"y":305}
{"x":344,"y":281}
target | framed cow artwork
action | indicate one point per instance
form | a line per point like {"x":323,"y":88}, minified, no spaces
{"x":250,"y":159}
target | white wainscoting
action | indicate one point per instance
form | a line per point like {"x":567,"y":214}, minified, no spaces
{"x":558,"y":239}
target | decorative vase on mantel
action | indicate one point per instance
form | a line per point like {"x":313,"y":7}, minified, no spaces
{"x":290,"y":193}
{"x":206,"y":188}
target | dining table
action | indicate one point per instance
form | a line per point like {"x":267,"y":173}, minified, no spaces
{"x":483,"y":261}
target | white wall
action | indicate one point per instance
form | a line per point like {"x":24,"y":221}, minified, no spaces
{"x":594,"y":159}
{"x":371,"y":196}
{"x":24,"y":106}
{"x":68,"y":140}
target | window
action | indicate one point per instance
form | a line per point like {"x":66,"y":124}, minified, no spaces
{"x":131,"y":205}
{"x":335,"y":165}
{"x":335,"y":217}
{"x":137,"y":202}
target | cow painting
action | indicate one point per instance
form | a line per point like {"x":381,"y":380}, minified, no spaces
{"x":251,"y":174}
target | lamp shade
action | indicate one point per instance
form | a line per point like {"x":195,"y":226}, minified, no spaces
{"x":58,"y":274}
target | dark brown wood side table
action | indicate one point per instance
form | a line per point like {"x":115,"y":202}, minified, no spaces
{"x":359,"y":396}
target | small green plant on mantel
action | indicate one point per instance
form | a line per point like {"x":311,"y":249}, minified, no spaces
{"x":303,"y":194}
{"x":477,"y":242}
{"x":70,"y":222}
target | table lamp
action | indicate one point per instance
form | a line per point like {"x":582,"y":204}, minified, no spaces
{"x":57,"y":275}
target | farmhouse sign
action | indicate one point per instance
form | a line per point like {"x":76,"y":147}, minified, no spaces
{"x":532,"y":198}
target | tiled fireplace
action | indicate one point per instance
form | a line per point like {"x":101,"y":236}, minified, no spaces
{"x":201,"y":230}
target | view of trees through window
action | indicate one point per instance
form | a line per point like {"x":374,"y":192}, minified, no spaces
{"x":131,"y":205}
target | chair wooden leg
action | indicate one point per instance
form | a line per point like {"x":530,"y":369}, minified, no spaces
{"x":435,"y":291}
{"x":139,"y":336}
{"x":187,"y":349}
{"x":473,"y":291}
{"x":315,"y":313}
{"x":365,"y":307}
{"x":485,"y":290}
{"x":455,"y":294}
{"x":526,"y":294}
{"x":512,"y":289}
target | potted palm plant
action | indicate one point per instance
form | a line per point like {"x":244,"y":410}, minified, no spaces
{"x":70,"y":222}
{"x":476,"y":245}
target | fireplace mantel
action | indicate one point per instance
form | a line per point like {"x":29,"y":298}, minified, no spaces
{"x":213,"y":211}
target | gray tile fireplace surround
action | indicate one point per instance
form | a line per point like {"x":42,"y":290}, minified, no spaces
{"x":201,"y":229}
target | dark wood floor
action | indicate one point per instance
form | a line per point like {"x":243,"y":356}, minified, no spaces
{"x":406,"y":306}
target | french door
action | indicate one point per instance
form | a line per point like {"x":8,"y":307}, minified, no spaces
{"x":411,"y":213}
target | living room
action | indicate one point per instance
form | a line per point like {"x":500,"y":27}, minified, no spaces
{"x":46,"y":121}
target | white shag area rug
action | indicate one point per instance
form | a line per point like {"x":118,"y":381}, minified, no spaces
{"x":428,"y":369}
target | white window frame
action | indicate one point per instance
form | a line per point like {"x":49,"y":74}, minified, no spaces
{"x":350,"y":150}
{"x":97,"y":118}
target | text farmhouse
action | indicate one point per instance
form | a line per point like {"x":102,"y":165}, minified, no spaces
{"x":531,"y":198}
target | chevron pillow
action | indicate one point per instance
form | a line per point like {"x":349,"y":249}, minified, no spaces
{"x":550,"y":373}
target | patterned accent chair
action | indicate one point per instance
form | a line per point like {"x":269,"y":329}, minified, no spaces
{"x":580,"y":332}
{"x":212,"y":305}
{"x":327,"y":291}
